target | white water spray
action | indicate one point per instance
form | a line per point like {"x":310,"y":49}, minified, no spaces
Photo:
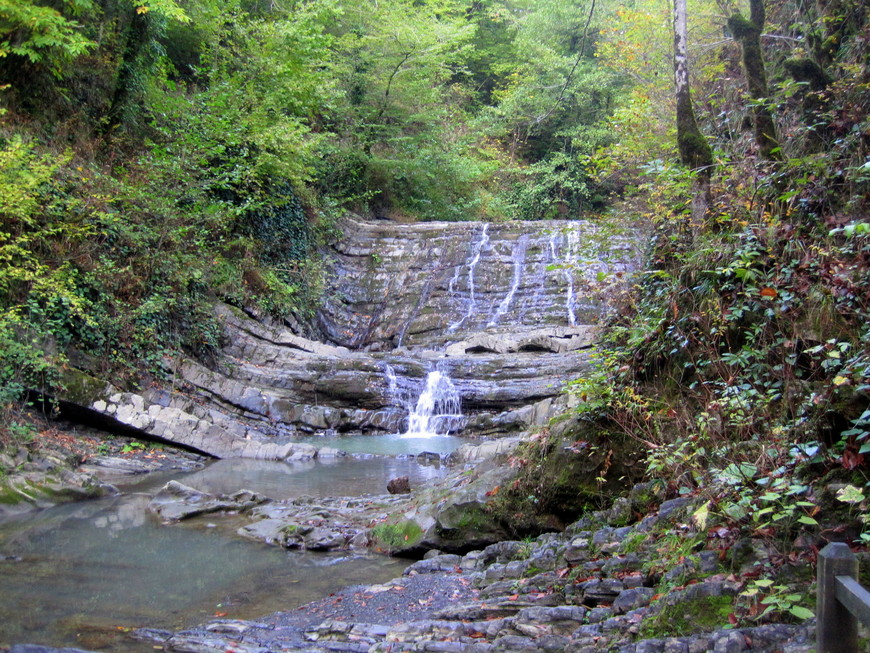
{"x":437,"y":411}
{"x":392,"y":384}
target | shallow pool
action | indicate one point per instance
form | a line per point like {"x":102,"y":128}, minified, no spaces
{"x":81,"y":574}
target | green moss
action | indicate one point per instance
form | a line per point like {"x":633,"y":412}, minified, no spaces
{"x":563,"y":479}
{"x":748,"y":33}
{"x":401,"y":535}
{"x":79,"y":387}
{"x":469,"y":524}
{"x":695,"y":149}
{"x":633,"y":542}
{"x":742,"y":28}
{"x":8,"y":496}
{"x":685,"y":618}
{"x":806,"y":71}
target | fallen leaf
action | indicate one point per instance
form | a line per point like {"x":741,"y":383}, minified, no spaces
{"x":852,"y":459}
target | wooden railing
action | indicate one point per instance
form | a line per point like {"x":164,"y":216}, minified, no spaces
{"x":841,"y":601}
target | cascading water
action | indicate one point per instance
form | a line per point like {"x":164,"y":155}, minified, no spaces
{"x":437,"y":411}
{"x":518,"y":256}
{"x":392,"y":384}
{"x":472,"y":266}
{"x":568,"y":260}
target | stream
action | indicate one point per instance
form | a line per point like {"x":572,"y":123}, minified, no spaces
{"x":82,"y":574}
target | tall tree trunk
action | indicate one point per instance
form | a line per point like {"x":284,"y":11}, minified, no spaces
{"x":695,"y":151}
{"x":748,"y":33}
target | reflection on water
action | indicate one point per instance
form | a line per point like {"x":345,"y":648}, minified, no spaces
{"x":346,"y":476}
{"x":389,"y":444}
{"x":86,"y":569}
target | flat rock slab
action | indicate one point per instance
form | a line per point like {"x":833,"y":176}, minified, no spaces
{"x":320,"y":524}
{"x":176,"y":501}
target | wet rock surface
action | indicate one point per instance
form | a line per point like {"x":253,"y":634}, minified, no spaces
{"x":450,"y":515}
{"x":67,"y":462}
{"x":428,"y":284}
{"x":320,"y":524}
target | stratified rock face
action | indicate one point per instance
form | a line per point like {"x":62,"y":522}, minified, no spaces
{"x":499,"y":316}
{"x":425,"y":285}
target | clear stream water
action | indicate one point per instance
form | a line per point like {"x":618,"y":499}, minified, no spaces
{"x":87,"y":571}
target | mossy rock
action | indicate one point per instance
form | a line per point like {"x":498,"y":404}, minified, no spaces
{"x":467,"y":526}
{"x":8,"y":495}
{"x":397,"y":537}
{"x":80,"y":387}
{"x":580,"y":469}
{"x":686,"y":618}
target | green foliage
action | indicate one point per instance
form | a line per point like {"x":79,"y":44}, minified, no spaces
{"x":132,"y":447}
{"x":855,"y":497}
{"x":771,"y":599}
{"x":123,"y":262}
{"x":43,"y":34}
{"x":741,"y":361}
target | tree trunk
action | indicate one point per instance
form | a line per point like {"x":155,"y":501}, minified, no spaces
{"x":748,"y":33}
{"x":694,"y":149}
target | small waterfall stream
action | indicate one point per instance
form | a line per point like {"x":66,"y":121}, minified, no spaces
{"x":437,"y":411}
{"x":518,"y":257}
{"x":566,"y":263}
{"x":471,"y":302}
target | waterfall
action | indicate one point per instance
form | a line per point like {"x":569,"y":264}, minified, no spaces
{"x":437,"y":411}
{"x":572,"y":245}
{"x":472,"y":266}
{"x":392,"y":385}
{"x":518,"y":256}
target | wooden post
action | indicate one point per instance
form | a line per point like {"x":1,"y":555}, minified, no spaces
{"x":836,"y":628}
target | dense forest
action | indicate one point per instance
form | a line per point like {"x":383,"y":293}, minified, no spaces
{"x":160,"y":154}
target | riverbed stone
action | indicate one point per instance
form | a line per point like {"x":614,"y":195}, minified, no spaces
{"x":601,"y":590}
{"x":440,"y":563}
{"x":399,"y":485}
{"x":634,"y":598}
{"x":176,"y":501}
{"x":558,"y":620}
{"x":38,"y":648}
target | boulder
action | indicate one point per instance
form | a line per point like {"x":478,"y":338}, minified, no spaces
{"x":399,"y":485}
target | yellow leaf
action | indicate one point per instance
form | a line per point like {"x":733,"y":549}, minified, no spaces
{"x":701,"y":514}
{"x":142,"y":9}
{"x":840,"y":380}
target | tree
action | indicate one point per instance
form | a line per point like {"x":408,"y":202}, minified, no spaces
{"x":52,"y":36}
{"x":695,"y":151}
{"x":748,"y":33}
